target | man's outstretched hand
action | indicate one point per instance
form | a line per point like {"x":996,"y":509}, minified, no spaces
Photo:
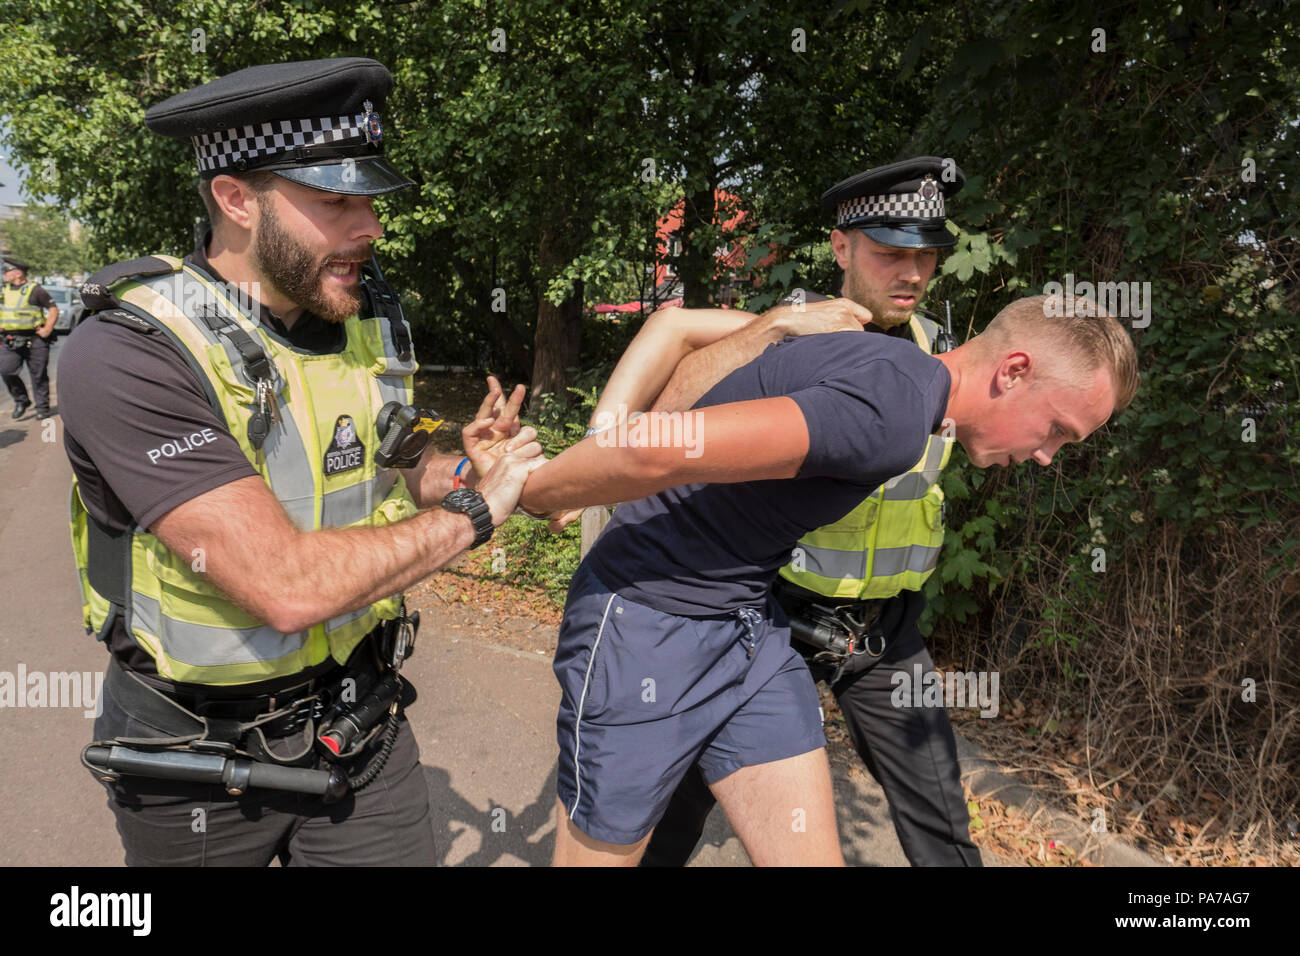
{"x":496,"y":421}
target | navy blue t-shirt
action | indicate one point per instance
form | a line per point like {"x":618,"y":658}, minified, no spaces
{"x":870,"y":403}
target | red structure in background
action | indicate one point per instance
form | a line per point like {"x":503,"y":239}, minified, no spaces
{"x":666,"y":288}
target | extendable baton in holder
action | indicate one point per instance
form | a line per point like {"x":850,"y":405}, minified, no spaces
{"x":234,"y":774}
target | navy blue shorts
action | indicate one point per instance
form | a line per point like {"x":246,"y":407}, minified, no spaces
{"x":647,"y":694}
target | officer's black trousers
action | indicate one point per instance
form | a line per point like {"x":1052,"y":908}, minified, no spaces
{"x":37,"y":357}
{"x":176,"y":823}
{"x":911,"y":751}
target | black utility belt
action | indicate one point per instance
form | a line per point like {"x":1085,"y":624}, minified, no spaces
{"x":794,"y":598}
{"x":297,"y":739}
{"x":371,"y":654}
{"x":831,"y":630}
{"x":161,"y":704}
{"x":302,"y":748}
{"x":230,"y":704}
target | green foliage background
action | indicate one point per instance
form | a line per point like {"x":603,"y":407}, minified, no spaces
{"x":1133,"y":165}
{"x":40,"y":236}
{"x":1126,"y":141}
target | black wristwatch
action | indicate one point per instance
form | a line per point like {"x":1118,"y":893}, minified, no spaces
{"x":466,"y":501}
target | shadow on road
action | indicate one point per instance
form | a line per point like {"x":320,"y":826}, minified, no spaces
{"x":862,"y":817}
{"x":501,"y":834}
{"x":11,"y":436}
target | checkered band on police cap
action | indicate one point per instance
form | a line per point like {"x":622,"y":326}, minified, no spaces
{"x":890,"y":206}
{"x":225,"y":149}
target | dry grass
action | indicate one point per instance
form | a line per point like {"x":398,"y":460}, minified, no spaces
{"x":1156,"y":727}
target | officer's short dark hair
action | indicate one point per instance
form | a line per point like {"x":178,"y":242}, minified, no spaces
{"x":259,"y":181}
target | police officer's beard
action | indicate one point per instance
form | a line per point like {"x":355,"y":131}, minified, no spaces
{"x":884,"y":314}
{"x":297,"y":273}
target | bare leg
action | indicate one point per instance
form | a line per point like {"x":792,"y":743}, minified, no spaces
{"x":783,"y":811}
{"x":575,"y":848}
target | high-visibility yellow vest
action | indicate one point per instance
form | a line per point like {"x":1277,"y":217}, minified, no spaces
{"x":890,"y":542}
{"x":17,"y":314}
{"x":318,"y":460}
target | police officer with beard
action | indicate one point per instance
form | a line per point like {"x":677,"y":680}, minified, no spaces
{"x":254,"y":488}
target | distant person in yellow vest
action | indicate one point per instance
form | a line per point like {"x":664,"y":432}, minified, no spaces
{"x":27,"y":318}
{"x":255,"y":488}
{"x":853,"y":590}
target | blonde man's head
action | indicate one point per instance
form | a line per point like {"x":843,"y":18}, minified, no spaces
{"x":1074,"y":338}
{"x":1046,"y":372}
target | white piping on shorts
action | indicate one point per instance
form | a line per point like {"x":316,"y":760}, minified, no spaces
{"x":577,"y":724}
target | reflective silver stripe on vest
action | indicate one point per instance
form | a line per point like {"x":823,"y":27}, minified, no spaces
{"x":906,"y":487}
{"x":288,"y":471}
{"x":830,"y":563}
{"x":391,"y":388}
{"x":355,"y":502}
{"x":915,"y":484}
{"x":204,"y":646}
{"x":334,"y":623}
{"x":916,"y":558}
{"x":288,"y":466}
{"x":392,"y":385}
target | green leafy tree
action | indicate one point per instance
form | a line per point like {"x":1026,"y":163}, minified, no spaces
{"x":1153,"y":568}
{"x":548,"y":139}
{"x":527,"y":157}
{"x":46,"y":238}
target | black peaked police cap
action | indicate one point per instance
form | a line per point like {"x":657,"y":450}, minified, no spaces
{"x":900,"y":204}
{"x":314,"y":122}
{"x":13,"y":262}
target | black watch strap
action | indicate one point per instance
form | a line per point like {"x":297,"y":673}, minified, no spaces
{"x":466,"y":501}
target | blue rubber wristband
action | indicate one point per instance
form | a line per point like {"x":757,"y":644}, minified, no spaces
{"x":455,"y":477}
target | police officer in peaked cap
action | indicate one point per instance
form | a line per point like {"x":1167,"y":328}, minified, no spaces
{"x":892,"y":213}
{"x":27,"y":317}
{"x":254,"y":487}
{"x":856,"y":633}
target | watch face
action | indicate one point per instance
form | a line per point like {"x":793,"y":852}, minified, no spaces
{"x":467,"y":495}
{"x":462,"y":499}
{"x":471,"y":504}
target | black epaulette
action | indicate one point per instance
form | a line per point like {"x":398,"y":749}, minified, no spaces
{"x":94,"y":291}
{"x":127,"y":319}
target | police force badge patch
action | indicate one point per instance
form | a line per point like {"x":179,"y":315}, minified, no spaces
{"x":346,"y":451}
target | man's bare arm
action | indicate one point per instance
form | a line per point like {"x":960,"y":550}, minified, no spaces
{"x":292,"y":579}
{"x":653,"y":355}
{"x":51,"y":316}
{"x":649,"y":361}
{"x":696,"y":348}
{"x":742,"y":441}
{"x":700,"y":370}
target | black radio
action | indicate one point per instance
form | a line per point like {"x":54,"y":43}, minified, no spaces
{"x":404,"y":433}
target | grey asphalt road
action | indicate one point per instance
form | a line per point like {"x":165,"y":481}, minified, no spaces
{"x":484,"y":719}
